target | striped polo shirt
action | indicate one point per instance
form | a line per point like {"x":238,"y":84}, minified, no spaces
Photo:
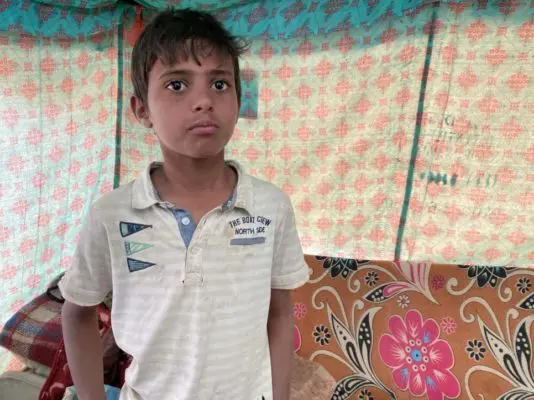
{"x":190,"y":303}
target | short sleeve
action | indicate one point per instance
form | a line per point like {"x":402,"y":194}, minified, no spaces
{"x":290,"y":270}
{"x":88,"y":280}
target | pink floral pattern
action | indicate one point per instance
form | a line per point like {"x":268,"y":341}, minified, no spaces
{"x":438,"y":282}
{"x":299,"y":311}
{"x":448,"y":325}
{"x":420,"y":360}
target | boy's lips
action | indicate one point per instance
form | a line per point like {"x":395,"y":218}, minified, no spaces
{"x":203,"y":127}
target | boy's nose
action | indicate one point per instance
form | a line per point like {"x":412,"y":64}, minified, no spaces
{"x":203,"y":103}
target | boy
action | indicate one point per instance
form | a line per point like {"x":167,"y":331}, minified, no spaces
{"x":199,"y":256}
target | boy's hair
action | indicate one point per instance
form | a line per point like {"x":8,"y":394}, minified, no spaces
{"x":174,"y":34}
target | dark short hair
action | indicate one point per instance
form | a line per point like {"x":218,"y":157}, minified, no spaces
{"x":177,"y":33}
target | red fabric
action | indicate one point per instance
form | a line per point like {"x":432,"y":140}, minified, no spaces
{"x":132,"y":33}
{"x":59,"y":379}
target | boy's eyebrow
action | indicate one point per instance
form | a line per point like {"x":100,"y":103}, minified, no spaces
{"x":188,"y":72}
{"x":220,"y":71}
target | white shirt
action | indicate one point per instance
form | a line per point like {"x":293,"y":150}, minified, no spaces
{"x":194,"y":318}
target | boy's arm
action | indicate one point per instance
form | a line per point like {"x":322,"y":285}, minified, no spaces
{"x":83,"y":286}
{"x":84,"y":350}
{"x":289,"y":272}
{"x":280,"y":331}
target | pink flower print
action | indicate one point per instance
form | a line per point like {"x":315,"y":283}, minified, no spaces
{"x":438,"y":282}
{"x":420,"y":361}
{"x":299,"y":311}
{"x":448,"y":325}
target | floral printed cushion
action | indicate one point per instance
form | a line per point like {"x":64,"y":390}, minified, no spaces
{"x":400,"y":330}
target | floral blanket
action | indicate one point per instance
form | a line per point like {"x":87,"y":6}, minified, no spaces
{"x":389,"y":330}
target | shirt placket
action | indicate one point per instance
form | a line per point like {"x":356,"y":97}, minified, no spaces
{"x":194,"y":271}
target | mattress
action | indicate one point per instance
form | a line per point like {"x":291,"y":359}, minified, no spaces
{"x":20,"y":386}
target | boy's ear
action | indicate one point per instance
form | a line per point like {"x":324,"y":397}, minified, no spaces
{"x":140,"y":111}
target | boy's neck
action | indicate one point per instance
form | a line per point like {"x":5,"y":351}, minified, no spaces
{"x":189,"y":175}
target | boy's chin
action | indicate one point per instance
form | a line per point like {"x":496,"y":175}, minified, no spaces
{"x":207,"y":151}
{"x":205,"y":154}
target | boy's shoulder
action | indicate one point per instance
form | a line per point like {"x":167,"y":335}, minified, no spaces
{"x":263,"y":188}
{"x":261,"y":185}
{"x":114,"y":201}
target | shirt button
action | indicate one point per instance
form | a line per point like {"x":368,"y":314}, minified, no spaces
{"x":186,"y":221}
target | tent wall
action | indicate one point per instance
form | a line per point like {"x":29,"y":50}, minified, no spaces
{"x":408,"y":139}
{"x":400,"y":130}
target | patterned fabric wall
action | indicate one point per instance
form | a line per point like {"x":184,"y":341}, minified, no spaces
{"x":408,"y":140}
{"x":251,"y":18}
{"x":409,"y":137}
{"x":473,"y":184}
{"x":57,"y":151}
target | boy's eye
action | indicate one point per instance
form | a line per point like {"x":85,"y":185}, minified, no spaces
{"x":176,"y":86}
{"x":220,"y":85}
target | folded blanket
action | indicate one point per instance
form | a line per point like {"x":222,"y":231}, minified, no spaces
{"x":34,"y":335}
{"x":34,"y":332}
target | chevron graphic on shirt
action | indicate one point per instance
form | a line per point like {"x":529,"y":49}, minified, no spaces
{"x":134,"y":247}
{"x":129,"y":228}
{"x":138,"y":265}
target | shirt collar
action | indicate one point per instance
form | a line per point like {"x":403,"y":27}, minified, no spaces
{"x":144,"y":193}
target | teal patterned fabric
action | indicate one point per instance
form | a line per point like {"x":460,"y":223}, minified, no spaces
{"x":271,"y":19}
{"x":59,"y":20}
{"x":274,"y":19}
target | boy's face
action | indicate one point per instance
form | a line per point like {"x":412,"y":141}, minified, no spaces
{"x":192,"y":108}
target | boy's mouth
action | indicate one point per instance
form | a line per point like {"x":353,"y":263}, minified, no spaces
{"x":206,"y":127}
